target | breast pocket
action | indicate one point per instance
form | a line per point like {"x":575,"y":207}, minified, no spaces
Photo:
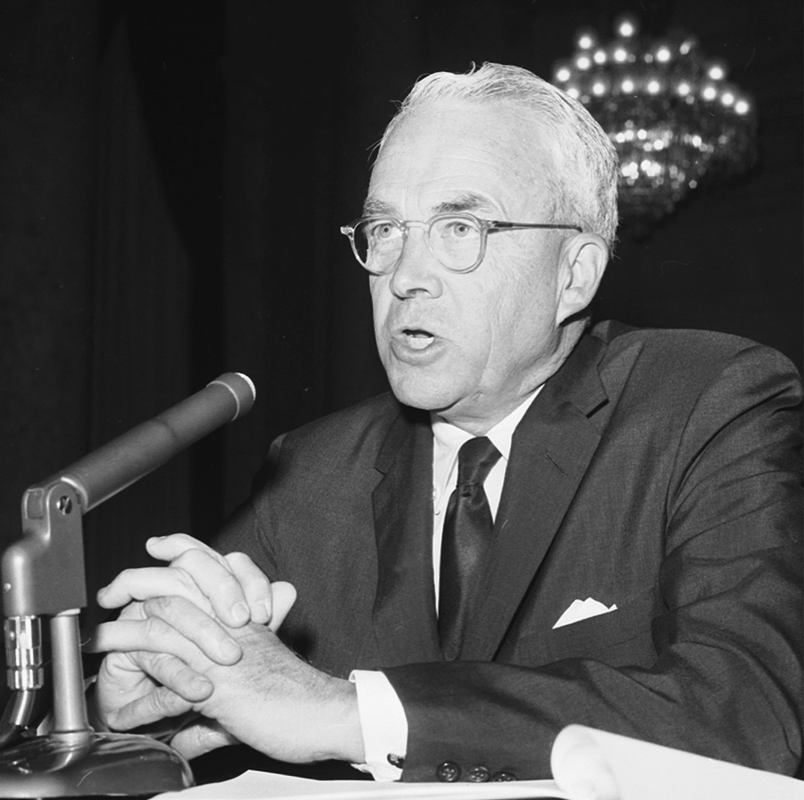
{"x":618,"y":637}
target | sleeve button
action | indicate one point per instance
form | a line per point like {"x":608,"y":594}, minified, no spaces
{"x":503,"y":776}
{"x":478,"y":774}
{"x":448,"y":772}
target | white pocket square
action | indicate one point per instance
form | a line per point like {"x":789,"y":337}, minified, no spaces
{"x":583,"y":609}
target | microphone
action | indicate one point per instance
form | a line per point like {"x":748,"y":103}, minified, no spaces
{"x":43,"y":572}
{"x":116,"y":465}
{"x":43,"y":575}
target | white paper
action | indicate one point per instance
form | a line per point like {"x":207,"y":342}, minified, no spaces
{"x":587,"y":764}
{"x":594,"y":765}
{"x":282,"y":787}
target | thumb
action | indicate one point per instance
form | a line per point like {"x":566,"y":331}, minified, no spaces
{"x":283,"y":597}
{"x":201,"y":736}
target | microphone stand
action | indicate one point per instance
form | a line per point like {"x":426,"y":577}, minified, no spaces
{"x":43,"y":575}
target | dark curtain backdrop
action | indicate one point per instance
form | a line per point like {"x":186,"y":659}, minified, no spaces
{"x":173,"y":176}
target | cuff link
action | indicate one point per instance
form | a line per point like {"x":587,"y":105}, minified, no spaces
{"x":396,"y":761}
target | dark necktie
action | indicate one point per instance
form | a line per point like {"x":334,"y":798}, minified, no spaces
{"x":468,"y":526}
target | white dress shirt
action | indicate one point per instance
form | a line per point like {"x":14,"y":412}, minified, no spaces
{"x":382,"y":718}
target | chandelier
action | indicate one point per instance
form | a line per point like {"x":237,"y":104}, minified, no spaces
{"x":670,"y":112}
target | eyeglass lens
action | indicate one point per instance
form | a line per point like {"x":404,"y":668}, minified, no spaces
{"x":455,"y":241}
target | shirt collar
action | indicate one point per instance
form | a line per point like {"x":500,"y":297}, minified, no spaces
{"x":449,"y":438}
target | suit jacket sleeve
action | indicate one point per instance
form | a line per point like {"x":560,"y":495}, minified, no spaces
{"x":725,"y":680}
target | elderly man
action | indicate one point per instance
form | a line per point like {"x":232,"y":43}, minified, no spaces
{"x":544,"y":524}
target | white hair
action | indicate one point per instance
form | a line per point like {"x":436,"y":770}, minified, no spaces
{"x":584,"y":162}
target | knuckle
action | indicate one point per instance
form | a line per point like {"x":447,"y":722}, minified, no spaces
{"x":144,"y":661}
{"x":182,"y":570}
{"x":195,"y":558}
{"x":125,"y":577}
{"x":157,"y":629}
{"x":163,"y":702}
{"x":127,"y":572}
{"x":239,"y":559}
{"x":133,"y":611}
{"x":160,"y":606}
{"x":198,"y":569}
{"x":174,"y":674}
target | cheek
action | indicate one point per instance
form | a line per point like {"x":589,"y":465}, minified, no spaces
{"x":522,"y":313}
{"x":380,"y":300}
{"x":532,"y":287}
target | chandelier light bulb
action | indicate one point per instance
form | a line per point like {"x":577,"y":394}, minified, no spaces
{"x":626,"y":27}
{"x":587,"y":39}
{"x":667,"y":109}
{"x":663,"y":54}
{"x":563,"y":74}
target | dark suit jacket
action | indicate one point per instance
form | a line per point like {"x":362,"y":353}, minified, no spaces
{"x":658,"y":470}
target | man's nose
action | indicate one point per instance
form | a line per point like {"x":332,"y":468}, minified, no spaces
{"x":417,"y":271}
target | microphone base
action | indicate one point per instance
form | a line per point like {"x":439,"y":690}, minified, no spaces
{"x":86,"y":763}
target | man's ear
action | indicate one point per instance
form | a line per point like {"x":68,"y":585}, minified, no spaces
{"x":582,"y":263}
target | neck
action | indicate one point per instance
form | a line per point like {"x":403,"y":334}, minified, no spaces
{"x":479,"y":420}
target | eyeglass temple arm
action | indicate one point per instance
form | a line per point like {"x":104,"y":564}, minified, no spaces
{"x":504,"y":225}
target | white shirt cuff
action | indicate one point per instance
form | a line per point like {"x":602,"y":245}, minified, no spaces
{"x":383,"y":723}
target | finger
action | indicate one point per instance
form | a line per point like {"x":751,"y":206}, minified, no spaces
{"x":126,"y":677}
{"x":166,"y":548}
{"x":197,"y":640}
{"x":206,"y":633}
{"x":255,"y":586}
{"x":214,"y":577}
{"x":147,"y":582}
{"x":117,"y":669}
{"x":152,"y":707}
{"x":284,"y":596}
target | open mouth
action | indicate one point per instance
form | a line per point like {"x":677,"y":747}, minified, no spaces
{"x":418,"y":339}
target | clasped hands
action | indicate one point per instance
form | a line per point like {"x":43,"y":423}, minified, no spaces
{"x":199,"y":635}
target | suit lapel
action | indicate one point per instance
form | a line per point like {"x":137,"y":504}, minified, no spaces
{"x":550,"y":451}
{"x":404,"y":610}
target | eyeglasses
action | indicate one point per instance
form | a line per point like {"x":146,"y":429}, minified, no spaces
{"x":456,"y":241}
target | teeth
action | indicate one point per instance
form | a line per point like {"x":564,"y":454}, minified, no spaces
{"x":418,"y":340}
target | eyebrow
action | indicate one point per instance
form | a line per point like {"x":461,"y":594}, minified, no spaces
{"x":378,"y":208}
{"x":469,"y":201}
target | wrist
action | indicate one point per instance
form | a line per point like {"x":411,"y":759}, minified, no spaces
{"x":342,"y":731}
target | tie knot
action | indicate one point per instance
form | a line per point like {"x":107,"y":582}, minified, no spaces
{"x":475,"y":460}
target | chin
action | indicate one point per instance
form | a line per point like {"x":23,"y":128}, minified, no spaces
{"x":426,"y":396}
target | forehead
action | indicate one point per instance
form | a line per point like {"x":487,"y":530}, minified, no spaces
{"x":458,"y":155}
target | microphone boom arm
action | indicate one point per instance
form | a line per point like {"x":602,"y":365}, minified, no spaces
{"x":40,"y":571}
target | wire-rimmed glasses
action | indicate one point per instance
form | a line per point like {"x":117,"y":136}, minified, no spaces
{"x":456,"y":241}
